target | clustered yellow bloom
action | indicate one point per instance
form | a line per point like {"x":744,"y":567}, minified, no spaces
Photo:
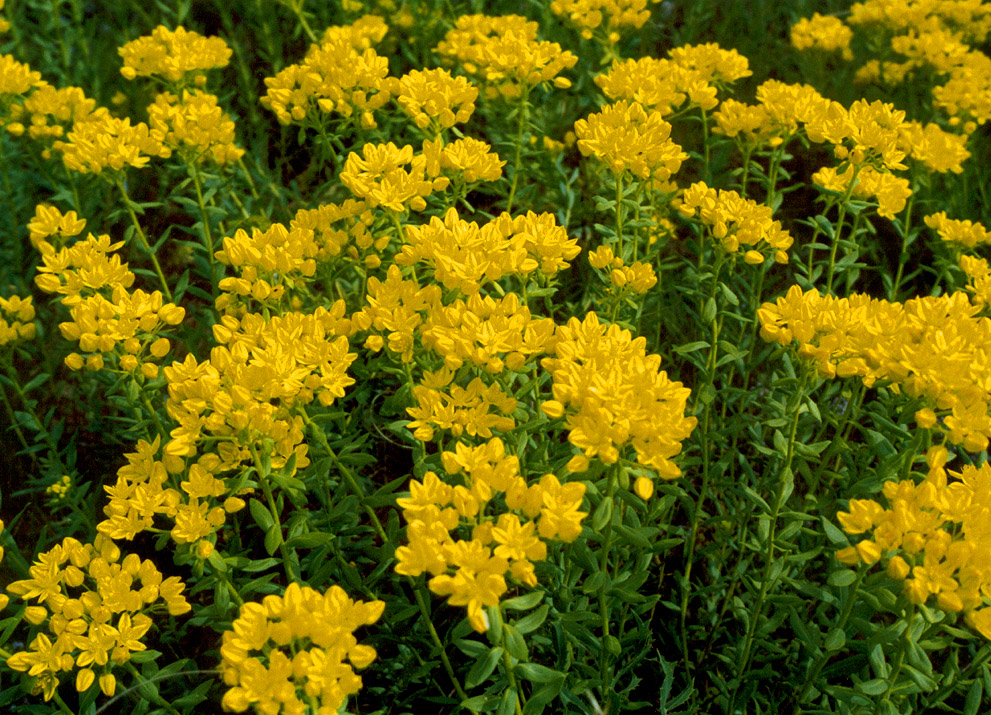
{"x":891,"y":192}
{"x":295,"y":650}
{"x":612,"y":393}
{"x":940,"y":38}
{"x":936,"y":149}
{"x":60,"y":489}
{"x":609,"y":17}
{"x":342,"y":229}
{"x":978,"y":272}
{"x":466,"y":256}
{"x":94,"y":284}
{"x":504,"y":53}
{"x":433,"y":98}
{"x":341,"y":74}
{"x":268,"y":263}
{"x":16,"y":319}
{"x":4,"y":598}
{"x":638,"y":277}
{"x":16,"y":78}
{"x":380,"y":177}
{"x":49,"y":112}
{"x":735,"y":221}
{"x":488,"y":333}
{"x":629,"y":139}
{"x":932,"y":349}
{"x":94,"y":603}
{"x":488,"y":505}
{"x":443,"y":404}
{"x":963,"y":234}
{"x":465,"y":161}
{"x":824,"y":33}
{"x":778,"y":116}
{"x":693,"y":73}
{"x":196,"y":125}
{"x":933,"y":535}
{"x":4,"y":26}
{"x":173,"y":55}
{"x":102,"y":141}
{"x":396,"y":307}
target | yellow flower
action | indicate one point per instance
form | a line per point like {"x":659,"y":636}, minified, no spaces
{"x":823,"y":33}
{"x":629,"y":139}
{"x":172,"y":54}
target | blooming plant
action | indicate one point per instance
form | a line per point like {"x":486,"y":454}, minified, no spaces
{"x":585,"y":356}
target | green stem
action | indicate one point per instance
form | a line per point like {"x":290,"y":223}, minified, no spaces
{"x":14,"y":378}
{"x":425,"y":612}
{"x":825,"y":655}
{"x":604,"y":664}
{"x":705,"y":144}
{"x":903,"y":256}
{"x":288,"y":556}
{"x":297,"y":7}
{"x":158,"y":699}
{"x":143,"y":239}
{"x":207,"y":234}
{"x":510,"y":675}
{"x":765,"y":581}
{"x":839,"y":230}
{"x":619,"y":216}
{"x":520,"y":126}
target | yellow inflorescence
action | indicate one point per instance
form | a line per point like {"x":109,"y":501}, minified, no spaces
{"x":965,"y":234}
{"x":933,"y":536}
{"x":824,"y":33}
{"x":508,"y":520}
{"x":194,"y":123}
{"x":613,"y":394}
{"x":380,"y":176}
{"x":295,"y":650}
{"x":629,"y":139}
{"x":173,"y":54}
{"x":606,"y":16}
{"x":16,"y":319}
{"x":93,"y":602}
{"x":434,"y":97}
{"x":932,"y":349}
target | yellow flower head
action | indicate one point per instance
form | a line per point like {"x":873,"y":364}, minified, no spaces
{"x":172,"y":54}
{"x":629,"y":139}
{"x":822,"y":33}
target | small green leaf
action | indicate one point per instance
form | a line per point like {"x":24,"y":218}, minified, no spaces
{"x":261,"y":515}
{"x":691,"y":347}
{"x":835,"y":640}
{"x":841,"y":578}
{"x":537,"y":673}
{"x":603,"y":515}
{"x":877,"y":686}
{"x":533,"y":621}
{"x":483,"y":667}
{"x":524,"y":602}
{"x":273,"y":537}
{"x":833,"y":533}
{"x":515,"y":644}
{"x":973,"y":701}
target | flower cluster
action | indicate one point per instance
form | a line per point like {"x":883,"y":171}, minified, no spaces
{"x":488,"y":333}
{"x":396,"y":307}
{"x":629,"y":139}
{"x":342,"y":75}
{"x":735,"y":221}
{"x":380,"y":177}
{"x":476,"y":409}
{"x":434,"y":99}
{"x":49,"y":112}
{"x":108,"y":320}
{"x":488,"y":506}
{"x":173,"y":55}
{"x":692,"y":73}
{"x":465,"y":256}
{"x":612,"y":393}
{"x":505,"y":54}
{"x":102,"y":142}
{"x":930,"y":348}
{"x":95,"y":604}
{"x":194,"y":124}
{"x":823,"y":33}
{"x":638,"y":277}
{"x":16,"y":320}
{"x":16,"y":78}
{"x":932,"y":536}
{"x":606,"y":17}
{"x":268,"y":263}
{"x":465,"y":161}
{"x":296,"y":649}
{"x":891,"y":192}
{"x":964,"y":234}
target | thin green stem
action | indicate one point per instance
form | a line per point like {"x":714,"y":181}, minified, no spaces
{"x":520,"y":126}
{"x":605,"y":667}
{"x":619,"y":216}
{"x":425,"y":612}
{"x":14,"y":378}
{"x":288,"y":556}
{"x":510,"y":675}
{"x":194,"y":171}
{"x":825,"y":655}
{"x":158,"y":699}
{"x":839,"y":230}
{"x":903,"y":256}
{"x":143,"y":239}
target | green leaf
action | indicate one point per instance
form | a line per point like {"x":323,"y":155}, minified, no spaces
{"x":515,"y":644}
{"x":261,"y":515}
{"x":877,"y":686}
{"x":483,"y":667}
{"x":524,"y":602}
{"x":507,"y":706}
{"x":833,"y":533}
{"x":709,"y":311}
{"x":603,"y":515}
{"x":542,"y":697}
{"x":537,"y":673}
{"x":825,"y":226}
{"x":273,"y":537}
{"x":973,"y":701}
{"x":533,"y":621}
{"x":311,"y":540}
{"x":691,"y":347}
{"x":843,"y":577}
{"x":835,"y":640}
{"x":36,"y":381}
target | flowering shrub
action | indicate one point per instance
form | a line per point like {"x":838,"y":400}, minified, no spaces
{"x":561,"y":362}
